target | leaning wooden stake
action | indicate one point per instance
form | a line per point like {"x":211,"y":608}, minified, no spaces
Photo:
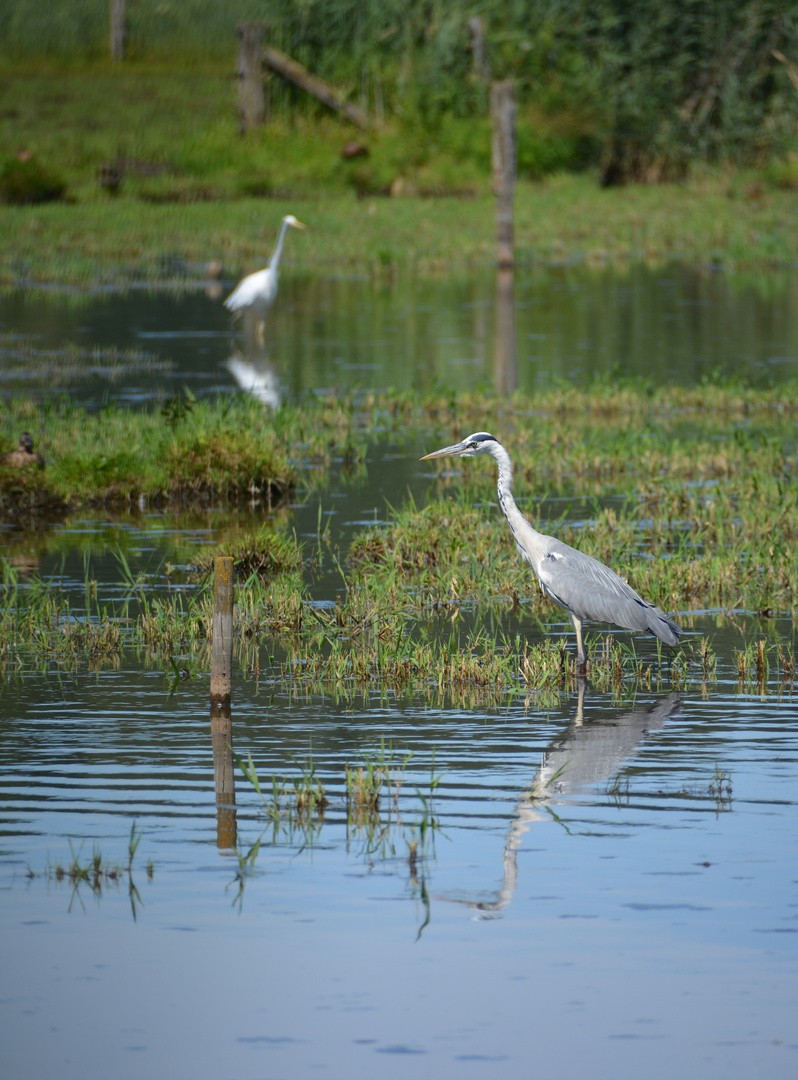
{"x":222,"y":645}
{"x":300,"y":76}
{"x":502,"y":110}
{"x":249,"y":71}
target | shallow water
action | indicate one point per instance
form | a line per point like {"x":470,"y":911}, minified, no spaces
{"x":570,"y":323}
{"x":600,"y":879}
{"x":608,"y":886}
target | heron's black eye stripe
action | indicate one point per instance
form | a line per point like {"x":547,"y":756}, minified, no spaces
{"x":481,"y":439}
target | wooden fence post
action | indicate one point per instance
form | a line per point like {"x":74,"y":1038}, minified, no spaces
{"x":221,"y":687}
{"x":222,"y":631}
{"x":249,"y":71}
{"x":117,"y":22}
{"x":502,"y":111}
{"x":479,"y":51}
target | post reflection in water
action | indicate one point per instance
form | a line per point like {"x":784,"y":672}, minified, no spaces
{"x":588,"y":753}
{"x":251,"y":367}
{"x":505,"y":356}
{"x":224,"y":775}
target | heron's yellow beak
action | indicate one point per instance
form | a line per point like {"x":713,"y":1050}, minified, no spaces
{"x":458,"y":448}
{"x":298,"y":225}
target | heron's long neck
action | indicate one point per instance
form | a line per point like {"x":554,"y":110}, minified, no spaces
{"x":519,"y":526}
{"x":274,"y":261}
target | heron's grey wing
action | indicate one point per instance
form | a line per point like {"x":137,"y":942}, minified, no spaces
{"x":591,"y":590}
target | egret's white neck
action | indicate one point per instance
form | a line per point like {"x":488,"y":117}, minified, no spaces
{"x":274,"y":262}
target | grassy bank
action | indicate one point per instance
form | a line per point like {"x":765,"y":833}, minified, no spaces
{"x":565,"y":218}
{"x":190,"y":190}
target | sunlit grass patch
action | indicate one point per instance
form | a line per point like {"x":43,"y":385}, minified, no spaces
{"x":265,"y":554}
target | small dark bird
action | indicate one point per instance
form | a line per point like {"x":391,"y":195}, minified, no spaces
{"x":24,"y":456}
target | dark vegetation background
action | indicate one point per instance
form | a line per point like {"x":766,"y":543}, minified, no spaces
{"x":640,"y":91}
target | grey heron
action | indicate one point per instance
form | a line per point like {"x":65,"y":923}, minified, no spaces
{"x":583,"y":586}
{"x":258,"y":290}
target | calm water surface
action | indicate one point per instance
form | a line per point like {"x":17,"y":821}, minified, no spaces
{"x":611,"y":886}
{"x":665,"y":324}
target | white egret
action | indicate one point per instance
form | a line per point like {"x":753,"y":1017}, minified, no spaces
{"x":257,"y":291}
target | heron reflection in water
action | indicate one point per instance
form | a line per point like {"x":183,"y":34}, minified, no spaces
{"x":589,"y":753}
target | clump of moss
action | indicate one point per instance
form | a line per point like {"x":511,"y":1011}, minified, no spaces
{"x":27,"y":498}
{"x":26,"y":181}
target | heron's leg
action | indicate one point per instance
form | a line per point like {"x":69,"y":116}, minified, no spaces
{"x":581,"y":655}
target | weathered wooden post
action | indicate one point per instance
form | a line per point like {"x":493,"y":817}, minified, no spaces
{"x":479,"y":51}
{"x":222,"y":631}
{"x":221,"y":687}
{"x":502,"y":111}
{"x":249,"y":71}
{"x":117,"y":22}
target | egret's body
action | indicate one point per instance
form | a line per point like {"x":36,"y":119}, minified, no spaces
{"x":24,"y":456}
{"x":583,"y":586}
{"x":257,"y":291}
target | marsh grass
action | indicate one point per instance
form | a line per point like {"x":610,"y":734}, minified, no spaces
{"x":377,"y":780}
{"x":97,"y":873}
{"x":687,"y":493}
{"x":265,"y":554}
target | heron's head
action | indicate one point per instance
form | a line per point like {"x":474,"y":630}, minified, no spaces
{"x":478,"y":443}
{"x":289,"y":219}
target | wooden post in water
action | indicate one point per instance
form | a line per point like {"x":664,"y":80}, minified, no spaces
{"x":222,"y":631}
{"x":221,"y":688}
{"x":502,"y":111}
{"x":117,"y":24}
{"x":249,"y":71}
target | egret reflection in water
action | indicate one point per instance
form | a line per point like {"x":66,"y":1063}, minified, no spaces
{"x":589,"y":753}
{"x":255,"y":375}
{"x":250,"y":365}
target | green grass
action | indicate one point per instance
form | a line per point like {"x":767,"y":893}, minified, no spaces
{"x":194,"y":190}
{"x":563,"y":218}
{"x":188,"y":452}
{"x":693,"y":504}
